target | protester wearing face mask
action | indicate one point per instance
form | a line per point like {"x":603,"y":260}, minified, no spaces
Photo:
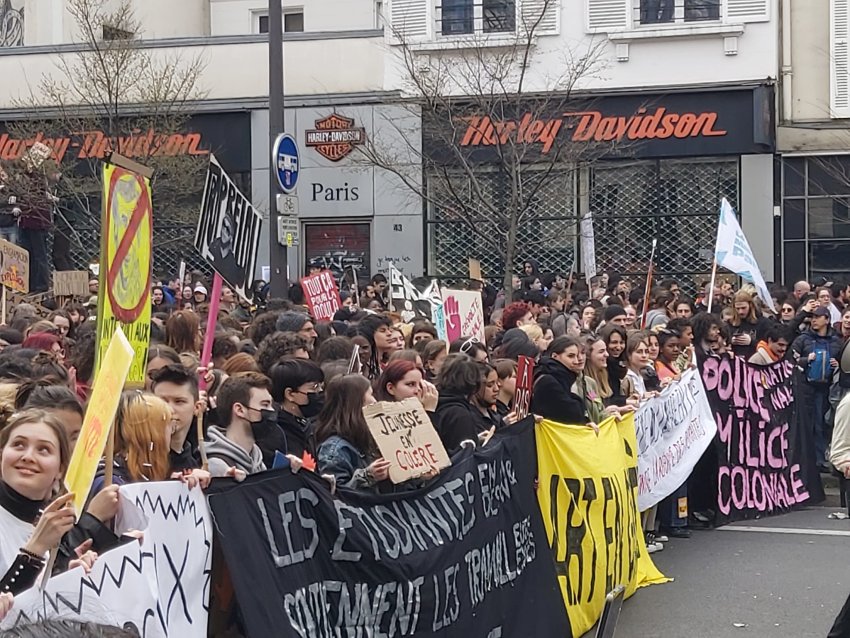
{"x":245,"y":404}
{"x":297,"y":387}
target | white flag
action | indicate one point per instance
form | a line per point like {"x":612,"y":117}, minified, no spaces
{"x":588,"y":247}
{"x":732,"y":252}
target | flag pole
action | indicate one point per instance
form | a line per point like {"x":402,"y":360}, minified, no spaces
{"x":711,"y":284}
{"x":645,"y":308}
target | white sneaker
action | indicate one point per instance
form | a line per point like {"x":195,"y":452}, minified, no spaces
{"x":661,"y":538}
{"x":654,"y":547}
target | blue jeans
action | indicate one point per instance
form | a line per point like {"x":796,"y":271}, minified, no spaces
{"x":820,"y":404}
{"x":11,"y":234}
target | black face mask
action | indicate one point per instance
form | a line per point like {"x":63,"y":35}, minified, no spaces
{"x":266,"y":424}
{"x":315,"y":403}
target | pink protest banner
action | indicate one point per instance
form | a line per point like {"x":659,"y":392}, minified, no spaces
{"x":322,"y":295}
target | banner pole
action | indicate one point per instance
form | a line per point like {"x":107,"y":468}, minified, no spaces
{"x":646,"y":293}
{"x":4,"y":306}
{"x":109,"y":456}
{"x":206,"y":356}
{"x":711,"y":284}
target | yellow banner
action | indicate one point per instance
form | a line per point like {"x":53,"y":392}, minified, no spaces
{"x":588,"y":497}
{"x":100,"y":413}
{"x":125,"y":265}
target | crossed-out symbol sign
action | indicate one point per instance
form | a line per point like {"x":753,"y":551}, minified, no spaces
{"x":127,"y":273}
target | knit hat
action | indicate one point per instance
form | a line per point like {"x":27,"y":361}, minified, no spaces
{"x":613,"y":311}
{"x":291,"y":321}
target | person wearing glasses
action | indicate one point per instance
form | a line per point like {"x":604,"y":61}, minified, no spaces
{"x":471,"y":347}
{"x":298,"y":387}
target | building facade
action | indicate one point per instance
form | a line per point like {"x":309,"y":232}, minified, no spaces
{"x":813,"y":138}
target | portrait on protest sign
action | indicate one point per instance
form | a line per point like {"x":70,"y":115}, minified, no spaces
{"x":455,"y":559}
{"x":322,"y":295}
{"x":228,"y":233}
{"x":673,"y":430}
{"x":406,"y":438}
{"x":759,"y":469}
{"x":588,"y":494}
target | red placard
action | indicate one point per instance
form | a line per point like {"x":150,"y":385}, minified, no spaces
{"x":322,"y":295}
{"x":524,"y":383}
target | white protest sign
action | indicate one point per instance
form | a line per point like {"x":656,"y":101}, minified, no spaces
{"x":588,"y":247}
{"x":160,"y":587}
{"x":406,"y":438}
{"x":673,"y":430}
{"x":464,"y":314}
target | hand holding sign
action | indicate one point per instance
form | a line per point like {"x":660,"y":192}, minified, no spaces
{"x":56,"y":520}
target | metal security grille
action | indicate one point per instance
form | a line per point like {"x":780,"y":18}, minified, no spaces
{"x":547,"y":233}
{"x":675,"y":201}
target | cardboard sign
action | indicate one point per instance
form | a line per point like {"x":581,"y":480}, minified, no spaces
{"x":406,"y":438}
{"x":14,"y":267}
{"x":524,"y":384}
{"x":475,"y":270}
{"x":228,"y":232}
{"x":124,"y":299}
{"x":321,"y":295}
{"x":70,"y":283}
{"x":464,"y":314}
{"x":100,"y":413}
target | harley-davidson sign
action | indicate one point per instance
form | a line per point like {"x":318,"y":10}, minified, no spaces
{"x":335,"y":136}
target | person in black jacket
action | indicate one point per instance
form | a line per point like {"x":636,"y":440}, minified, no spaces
{"x":297,"y":385}
{"x":457,"y":417}
{"x":554,"y":377}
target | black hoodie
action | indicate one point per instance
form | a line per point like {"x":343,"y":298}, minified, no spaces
{"x":457,"y":420}
{"x":553,"y":398}
{"x":294,"y":435}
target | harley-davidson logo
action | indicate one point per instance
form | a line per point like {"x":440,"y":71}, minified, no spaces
{"x":335,"y":136}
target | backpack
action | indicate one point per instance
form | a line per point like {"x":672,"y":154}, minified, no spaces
{"x":819,"y":370}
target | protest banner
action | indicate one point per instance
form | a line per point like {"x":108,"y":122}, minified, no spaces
{"x":406,"y":438}
{"x":673,"y":430}
{"x":158,"y":588}
{"x":759,"y":469}
{"x":524,"y":385}
{"x":456,"y":559}
{"x":100,"y":413}
{"x":464,"y":314}
{"x":124,"y":299}
{"x":228,"y":233}
{"x":14,"y":267}
{"x":410,"y":301}
{"x":588,"y":495}
{"x":70,"y":283}
{"x":321,"y":295}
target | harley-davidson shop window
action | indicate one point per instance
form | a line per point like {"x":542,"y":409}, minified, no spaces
{"x":670,"y":160}
{"x":339,"y":247}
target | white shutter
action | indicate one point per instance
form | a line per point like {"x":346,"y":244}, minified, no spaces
{"x":543,"y":16}
{"x":410,"y":20}
{"x":737,"y":11}
{"x":839,"y":58}
{"x":604,"y":16}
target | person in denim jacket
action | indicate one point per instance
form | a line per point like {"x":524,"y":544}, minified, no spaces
{"x":347,"y":450}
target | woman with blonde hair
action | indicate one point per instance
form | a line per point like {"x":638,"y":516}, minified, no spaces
{"x":745,"y":325}
{"x":538,"y":336}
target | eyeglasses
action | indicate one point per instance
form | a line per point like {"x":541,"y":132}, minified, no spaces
{"x":787,"y":309}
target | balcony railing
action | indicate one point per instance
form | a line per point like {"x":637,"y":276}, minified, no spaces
{"x":466,"y":17}
{"x":676,"y":11}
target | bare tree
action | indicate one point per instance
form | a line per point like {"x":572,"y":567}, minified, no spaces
{"x":493,"y":130}
{"x":111,"y":93}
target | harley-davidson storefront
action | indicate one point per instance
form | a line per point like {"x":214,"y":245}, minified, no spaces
{"x":672,"y":157}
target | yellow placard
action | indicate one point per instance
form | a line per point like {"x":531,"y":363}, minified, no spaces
{"x":588,"y":497}
{"x":100,"y":413}
{"x":14,"y":267}
{"x":125,"y":265}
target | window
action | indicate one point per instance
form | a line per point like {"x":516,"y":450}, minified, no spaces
{"x":677,"y":11}
{"x":293,"y":21}
{"x":379,"y":14}
{"x":465,"y":17}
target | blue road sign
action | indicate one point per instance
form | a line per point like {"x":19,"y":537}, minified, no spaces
{"x":286,"y":160}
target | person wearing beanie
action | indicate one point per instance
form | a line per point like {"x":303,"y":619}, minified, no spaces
{"x":616,"y":315}
{"x":299,"y":323}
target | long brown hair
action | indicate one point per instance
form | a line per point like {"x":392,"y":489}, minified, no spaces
{"x":28,"y":417}
{"x":599,"y":375}
{"x":141,"y":437}
{"x":183,"y":331}
{"x":342,"y":414}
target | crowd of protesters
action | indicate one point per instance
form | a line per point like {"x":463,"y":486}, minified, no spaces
{"x":285,"y":390}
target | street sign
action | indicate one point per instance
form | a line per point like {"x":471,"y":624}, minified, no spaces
{"x":286,"y":161}
{"x":287,"y":231}
{"x":287,"y":205}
